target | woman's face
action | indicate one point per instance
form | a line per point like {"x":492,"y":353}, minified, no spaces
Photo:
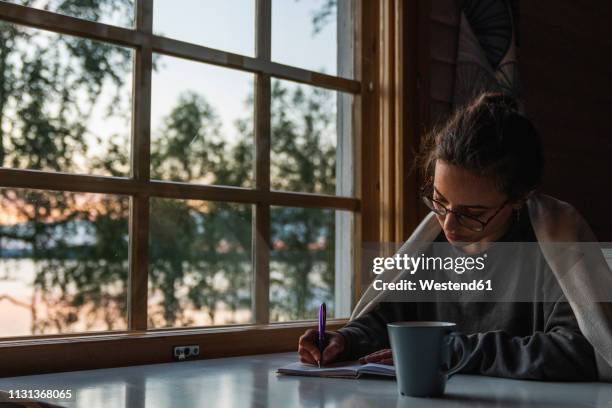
{"x":472,"y":194}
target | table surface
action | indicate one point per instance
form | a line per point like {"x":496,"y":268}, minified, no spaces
{"x":252,"y":381}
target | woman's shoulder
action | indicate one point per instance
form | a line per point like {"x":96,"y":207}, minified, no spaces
{"x":558,"y":219}
{"x":551,"y":204}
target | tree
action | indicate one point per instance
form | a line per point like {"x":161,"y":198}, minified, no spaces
{"x":49,"y":85}
{"x":202,"y":247}
{"x":200,"y":252}
{"x":303,"y":159}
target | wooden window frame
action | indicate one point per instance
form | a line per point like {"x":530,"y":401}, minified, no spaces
{"x":375,"y":140}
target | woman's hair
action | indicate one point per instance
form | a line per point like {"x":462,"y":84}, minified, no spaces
{"x":491,"y":137}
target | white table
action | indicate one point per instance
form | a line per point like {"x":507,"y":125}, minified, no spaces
{"x":252,"y":382}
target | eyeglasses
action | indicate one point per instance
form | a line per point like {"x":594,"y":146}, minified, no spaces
{"x":468,"y":221}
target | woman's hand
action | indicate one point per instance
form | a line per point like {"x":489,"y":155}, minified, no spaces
{"x":381,"y":357}
{"x":308,"y":350}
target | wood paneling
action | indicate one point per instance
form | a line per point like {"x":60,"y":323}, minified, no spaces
{"x":440,"y":111}
{"x":444,"y":36}
{"x":587,"y":21}
{"x":565,"y":63}
{"x":442,"y":80}
{"x":443,"y":40}
{"x":416,"y":108}
{"x":445,"y":11}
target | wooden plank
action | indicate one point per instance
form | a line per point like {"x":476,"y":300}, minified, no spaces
{"x":63,"y":24}
{"x":327,"y":81}
{"x":140,"y":164}
{"x":442,"y":80}
{"x":552,"y":110}
{"x":170,"y":189}
{"x":35,"y":179}
{"x":260,"y":301}
{"x":38,"y":356}
{"x":400,"y":162}
{"x":424,"y":76}
{"x":444,"y":42}
{"x":367,"y":188}
{"x":261,"y":248}
{"x":388,"y":95}
{"x":392,"y":129}
{"x":579,"y":177}
{"x":587,"y":22}
{"x":555,"y":48}
{"x":566,"y":67}
{"x":358,"y":124}
{"x":244,"y":195}
{"x":580,"y":83}
{"x":139,"y":263}
{"x":140,"y":153}
{"x":445,"y":12}
{"x":412,"y":46}
{"x":440,"y":111}
{"x":200,"y":53}
{"x":204,"y":54}
{"x":345,"y":259}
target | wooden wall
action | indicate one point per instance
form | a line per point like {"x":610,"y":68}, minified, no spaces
{"x":444,"y":27}
{"x":565,"y":67}
{"x":565,"y":64}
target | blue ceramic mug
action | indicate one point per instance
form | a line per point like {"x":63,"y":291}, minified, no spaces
{"x":421,"y":354}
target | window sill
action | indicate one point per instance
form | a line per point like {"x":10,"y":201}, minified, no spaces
{"x":25,"y":356}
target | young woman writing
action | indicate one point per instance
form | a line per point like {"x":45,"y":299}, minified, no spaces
{"x":483,"y":170}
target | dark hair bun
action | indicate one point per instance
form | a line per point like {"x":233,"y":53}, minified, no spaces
{"x":491,"y":137}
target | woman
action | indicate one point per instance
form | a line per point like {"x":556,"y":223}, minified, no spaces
{"x":483,"y":167}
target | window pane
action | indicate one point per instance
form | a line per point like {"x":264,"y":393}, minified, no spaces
{"x":115,"y":12}
{"x":306,"y":130}
{"x":67,"y":104}
{"x":303,"y":261}
{"x":202,"y":123}
{"x":199,"y":263}
{"x":227,"y":25}
{"x":63,"y":262}
{"x":305,"y":34}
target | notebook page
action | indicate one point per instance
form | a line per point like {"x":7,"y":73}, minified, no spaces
{"x":344,"y":369}
{"x":377,"y":369}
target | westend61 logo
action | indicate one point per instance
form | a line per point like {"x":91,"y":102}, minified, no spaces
{"x":459,"y":264}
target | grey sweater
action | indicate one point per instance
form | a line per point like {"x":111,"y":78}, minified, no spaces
{"x":538,"y":340}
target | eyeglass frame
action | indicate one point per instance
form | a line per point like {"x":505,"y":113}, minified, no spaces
{"x":458,"y":214}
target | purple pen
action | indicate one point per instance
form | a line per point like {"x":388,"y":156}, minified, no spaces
{"x":322,"y":315}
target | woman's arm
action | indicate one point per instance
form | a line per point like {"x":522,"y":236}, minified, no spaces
{"x":368,"y":333}
{"x":559,"y":353}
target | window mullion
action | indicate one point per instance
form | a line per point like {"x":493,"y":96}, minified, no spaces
{"x":140,"y":165}
{"x":261,"y":219}
{"x":345,"y":165}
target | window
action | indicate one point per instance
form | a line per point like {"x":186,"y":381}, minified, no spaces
{"x":156,"y":176}
{"x":64,"y":264}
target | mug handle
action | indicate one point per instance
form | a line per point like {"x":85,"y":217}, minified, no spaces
{"x":464,"y":353}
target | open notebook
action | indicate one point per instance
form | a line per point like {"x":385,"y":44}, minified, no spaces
{"x":345,"y":369}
